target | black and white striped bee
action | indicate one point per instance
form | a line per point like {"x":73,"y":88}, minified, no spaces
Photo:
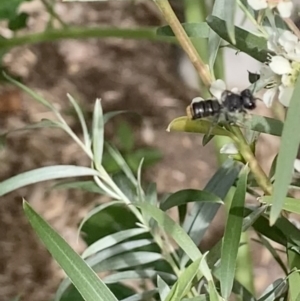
{"x":229,"y":105}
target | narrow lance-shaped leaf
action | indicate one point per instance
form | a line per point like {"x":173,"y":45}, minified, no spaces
{"x":140,"y":274}
{"x":163,"y":288}
{"x":172,"y":229}
{"x":121,"y":162}
{"x":232,"y":235}
{"x":185,"y":124}
{"x":193,"y":30}
{"x":214,"y":39}
{"x":80,"y":115}
{"x":182,"y":197}
{"x":253,"y":45}
{"x":44,"y":174}
{"x":229,"y":16}
{"x":111,"y":240}
{"x":289,"y":204}
{"x":83,"y":277}
{"x":183,"y":284}
{"x":103,"y":255}
{"x":198,"y":221}
{"x":294,"y":277}
{"x":255,"y":123}
{"x":98,"y":134}
{"x":287,"y":153}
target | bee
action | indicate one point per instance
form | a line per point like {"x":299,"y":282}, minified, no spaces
{"x":230,"y":104}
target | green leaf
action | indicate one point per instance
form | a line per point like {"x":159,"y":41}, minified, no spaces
{"x":142,"y":296}
{"x":97,"y":210}
{"x":163,"y":288}
{"x":126,"y":137}
{"x":182,"y":197}
{"x":264,"y":125}
{"x":151,"y":194}
{"x":44,"y":123}
{"x":111,"y":240}
{"x":107,"y":222}
{"x":18,"y":22}
{"x":247,"y":42}
{"x":150,"y":156}
{"x":109,"y":115}
{"x":289,"y":204}
{"x":193,"y":30}
{"x":287,"y":153}
{"x":274,"y":290}
{"x":103,"y":255}
{"x":201,"y":215}
{"x":273,"y":252}
{"x":139,"y":188}
{"x":250,"y":219}
{"x":172,"y":229}
{"x":9,"y":8}
{"x":214,"y":41}
{"x":89,"y":186}
{"x":127,"y":261}
{"x":139,"y":274}
{"x":83,"y":277}
{"x":239,"y":290}
{"x":273,"y":167}
{"x":199,"y":298}
{"x":232,"y":235}
{"x":185,"y":124}
{"x":229,"y":16}
{"x":262,"y":226}
{"x":255,"y":123}
{"x":121,"y":248}
{"x":294,"y":277}
{"x":116,"y":155}
{"x":282,"y":232}
{"x":98,"y":133}
{"x":44,"y":174}
{"x":184,"y":283}
{"x":30,"y":92}
{"x":247,"y":8}
{"x":86,"y":135}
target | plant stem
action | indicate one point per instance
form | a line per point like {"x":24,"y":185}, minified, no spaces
{"x":52,"y":12}
{"x":246,"y":152}
{"x":184,"y":40}
{"x":195,"y":11}
{"x":250,"y":17}
{"x":85,"y":33}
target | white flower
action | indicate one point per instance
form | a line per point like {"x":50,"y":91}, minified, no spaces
{"x":284,"y":7}
{"x":269,"y":96}
{"x":285,"y":94}
{"x":217,"y":88}
{"x":280,"y":65}
{"x":297,"y":165}
{"x":283,"y":84}
{"x":258,"y":4}
{"x":229,"y":149}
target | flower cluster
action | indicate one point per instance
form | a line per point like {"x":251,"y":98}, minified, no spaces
{"x":283,"y":68}
{"x":284,"y":7}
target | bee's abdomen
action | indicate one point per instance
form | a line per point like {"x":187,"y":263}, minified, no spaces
{"x":205,"y":108}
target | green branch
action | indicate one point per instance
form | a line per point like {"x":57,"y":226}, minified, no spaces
{"x":148,"y":33}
